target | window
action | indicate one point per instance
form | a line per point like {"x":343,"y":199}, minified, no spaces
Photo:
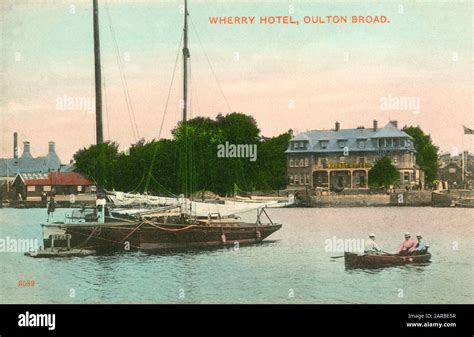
{"x":290,"y":178}
{"x":292,"y":163}
{"x":306,"y":162}
{"x":30,"y":189}
{"x":342,"y":143}
{"x":323,"y":144}
{"x":361,"y":160}
{"x":79,"y":188}
{"x":342,"y":159}
{"x":306,"y":179}
{"x":295,"y":145}
{"x":297,"y":179}
{"x":361,"y":144}
{"x":46,"y":188}
{"x":301,"y":162}
{"x":406,"y":176}
{"x":452,"y":170}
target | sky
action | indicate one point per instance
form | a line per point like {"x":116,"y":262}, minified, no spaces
{"x":301,"y":77}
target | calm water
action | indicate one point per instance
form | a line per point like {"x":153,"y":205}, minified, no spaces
{"x":293,"y":268}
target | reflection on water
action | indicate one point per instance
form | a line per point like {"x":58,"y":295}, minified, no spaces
{"x":292,"y":267}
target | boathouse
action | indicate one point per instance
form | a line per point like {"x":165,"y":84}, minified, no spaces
{"x":40,"y":184}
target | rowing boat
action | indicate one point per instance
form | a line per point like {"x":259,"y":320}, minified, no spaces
{"x":354,"y":260}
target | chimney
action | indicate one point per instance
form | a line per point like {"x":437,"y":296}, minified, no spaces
{"x":394,"y":123}
{"x":52,"y":147}
{"x":15,"y":145}
{"x":26,"y":150}
{"x":376,"y":124}
{"x":338,"y":126}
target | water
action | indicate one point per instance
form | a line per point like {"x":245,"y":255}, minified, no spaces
{"x":292,"y":268}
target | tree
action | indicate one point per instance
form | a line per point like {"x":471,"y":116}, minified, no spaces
{"x":383,"y":173}
{"x":237,"y":173}
{"x":426,"y":152}
{"x":271,"y":166}
{"x":98,"y":163}
{"x":189,"y":162}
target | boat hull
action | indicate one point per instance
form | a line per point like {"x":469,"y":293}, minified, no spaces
{"x":152,"y":237}
{"x":353,"y":260}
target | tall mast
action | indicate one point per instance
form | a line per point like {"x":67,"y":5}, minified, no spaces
{"x":186,"y":55}
{"x":98,"y":78}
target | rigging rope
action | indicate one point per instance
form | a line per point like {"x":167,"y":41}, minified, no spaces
{"x":105,"y":101}
{"x":210,"y":66}
{"x":128,"y":101}
{"x":164,"y":114}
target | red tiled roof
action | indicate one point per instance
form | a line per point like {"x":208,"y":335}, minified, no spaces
{"x":60,"y":179}
{"x":68,"y":179}
{"x":37,"y":182}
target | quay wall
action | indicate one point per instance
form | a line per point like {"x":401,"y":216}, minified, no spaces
{"x":363,"y":200}
{"x":411,"y":198}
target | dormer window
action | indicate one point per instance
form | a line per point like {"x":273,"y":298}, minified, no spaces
{"x":323,"y":144}
{"x":361,"y":143}
{"x":342,"y":143}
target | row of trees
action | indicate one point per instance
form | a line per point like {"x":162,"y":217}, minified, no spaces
{"x":189,"y":161}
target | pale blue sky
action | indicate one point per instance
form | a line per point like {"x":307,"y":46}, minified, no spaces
{"x":47,"y":52}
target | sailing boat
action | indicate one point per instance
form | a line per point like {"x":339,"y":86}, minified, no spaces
{"x":171,"y":226}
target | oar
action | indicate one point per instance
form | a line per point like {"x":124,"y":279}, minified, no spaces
{"x":336,"y":257}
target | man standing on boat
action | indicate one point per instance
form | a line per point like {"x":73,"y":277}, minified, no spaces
{"x":371,"y":246}
{"x":407,"y":246}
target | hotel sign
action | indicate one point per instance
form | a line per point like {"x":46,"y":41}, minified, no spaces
{"x":347,"y":165}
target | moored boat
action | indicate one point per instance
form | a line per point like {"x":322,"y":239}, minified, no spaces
{"x":166,"y":229}
{"x":355,"y":260}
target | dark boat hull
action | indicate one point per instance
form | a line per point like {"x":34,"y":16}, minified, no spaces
{"x":353,"y":260}
{"x":152,"y":237}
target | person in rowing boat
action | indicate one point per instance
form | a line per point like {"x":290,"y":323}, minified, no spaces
{"x":371,"y":246}
{"x":407,"y":247}
{"x":421,"y":246}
